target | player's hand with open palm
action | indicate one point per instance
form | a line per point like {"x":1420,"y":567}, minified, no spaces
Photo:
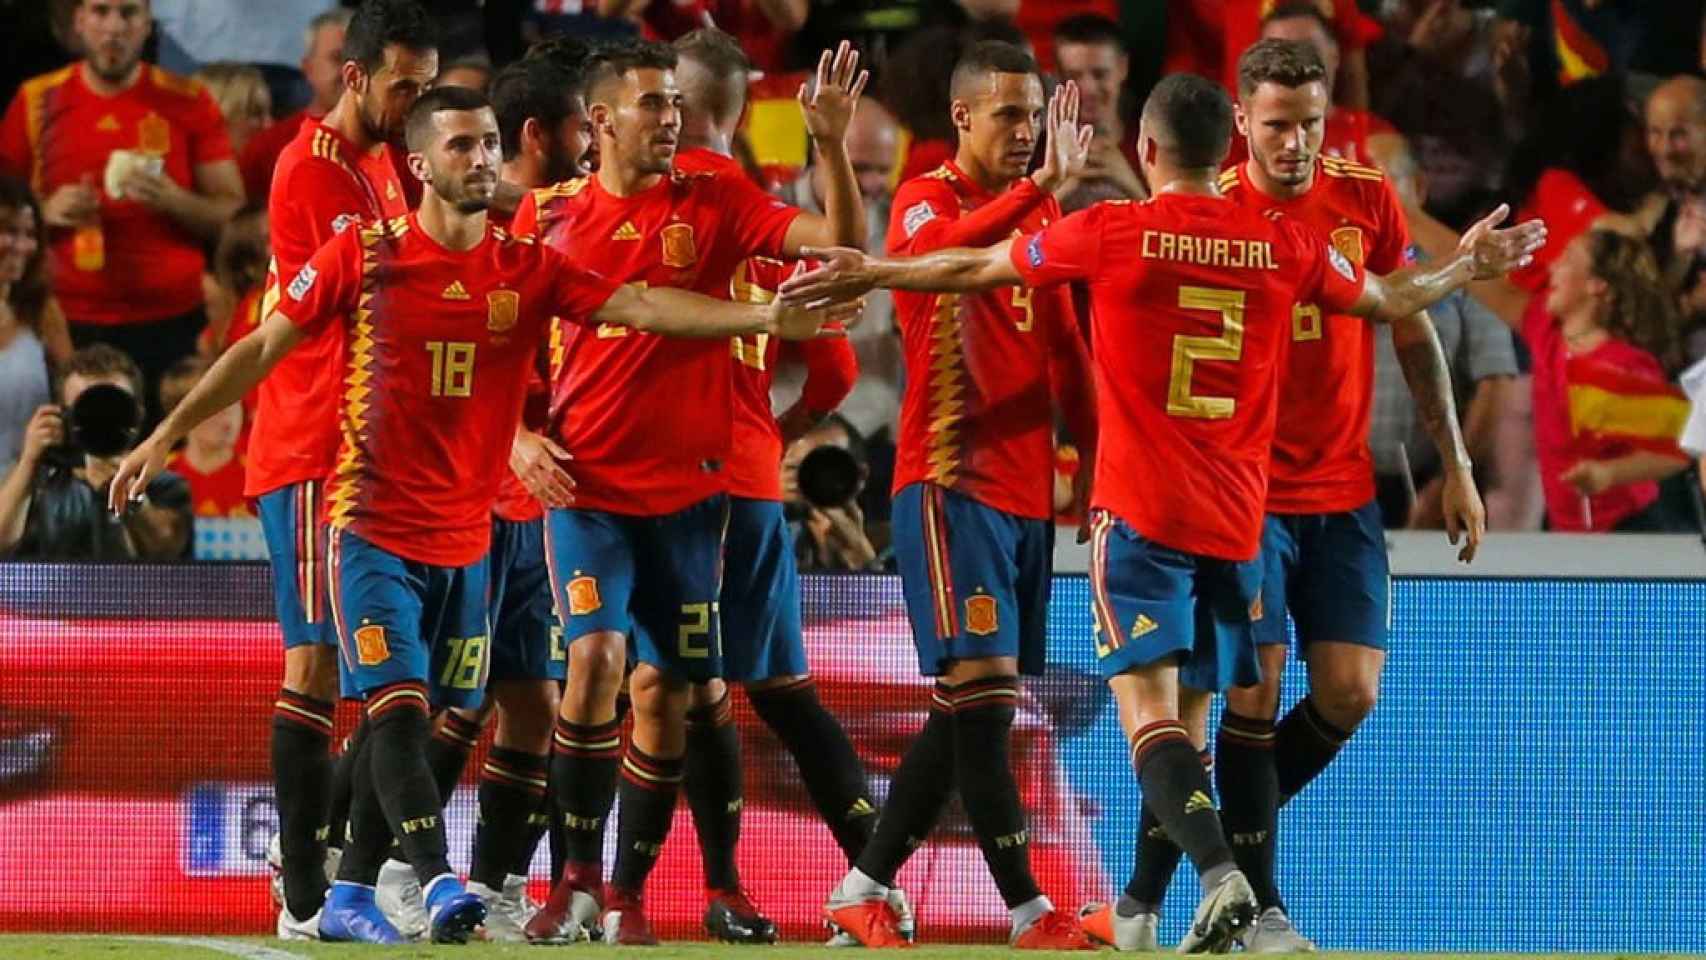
{"x":1465,"y":515}
{"x":1067,"y":151}
{"x":829,"y":101}
{"x":1494,"y":252}
{"x":136,"y":471}
{"x":843,"y":273}
{"x":537,"y":462}
{"x":793,"y":318}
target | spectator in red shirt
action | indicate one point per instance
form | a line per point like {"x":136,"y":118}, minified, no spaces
{"x":136,"y":174}
{"x":322,"y":66}
{"x":1089,"y":53}
{"x":209,"y":460}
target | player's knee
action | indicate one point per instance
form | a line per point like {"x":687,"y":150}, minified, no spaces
{"x":707,"y":694}
{"x":312,"y":670}
{"x":656,"y":695}
{"x":1259,"y":701}
{"x":597,"y":661}
{"x":1346,"y":701}
{"x":966,"y":671}
{"x":528,"y":711}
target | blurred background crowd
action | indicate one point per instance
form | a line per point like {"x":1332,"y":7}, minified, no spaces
{"x":127,"y":264}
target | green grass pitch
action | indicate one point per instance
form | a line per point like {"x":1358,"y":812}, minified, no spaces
{"x":255,"y":948}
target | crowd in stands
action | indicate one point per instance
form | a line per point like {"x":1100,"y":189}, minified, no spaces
{"x":133,"y":235}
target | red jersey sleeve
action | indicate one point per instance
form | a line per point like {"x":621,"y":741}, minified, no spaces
{"x":332,"y":198}
{"x":526,"y":219}
{"x":759,"y":221}
{"x":328,"y":286}
{"x":1068,"y":249}
{"x":577,"y":294}
{"x":1326,"y":277}
{"x":1392,"y":247}
{"x":927,"y":216}
{"x":209,"y":140}
{"x":831,"y":370}
{"x":15,"y":137}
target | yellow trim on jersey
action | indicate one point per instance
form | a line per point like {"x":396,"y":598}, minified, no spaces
{"x":947,"y":408}
{"x":1340,"y":167}
{"x":34,"y":92}
{"x":1228,"y":179}
{"x":173,"y":83}
{"x":358,"y":371}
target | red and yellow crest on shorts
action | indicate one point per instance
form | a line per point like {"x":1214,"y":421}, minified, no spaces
{"x":981,"y":617}
{"x":583,"y":596}
{"x":370,"y":646}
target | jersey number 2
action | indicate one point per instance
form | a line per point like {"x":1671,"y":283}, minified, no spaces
{"x":1181,"y":402}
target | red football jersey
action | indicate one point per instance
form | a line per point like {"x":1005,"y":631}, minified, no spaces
{"x":1322,"y":463}
{"x":755,"y":456}
{"x":262,"y":153}
{"x":138,"y":264}
{"x":218,"y":493}
{"x":322,"y":185}
{"x":648,"y":418}
{"x":440,"y":342}
{"x":977,"y":414}
{"x":514,"y":503}
{"x":1191,"y":309}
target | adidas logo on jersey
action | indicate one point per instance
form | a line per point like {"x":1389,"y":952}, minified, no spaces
{"x":1143,"y":625}
{"x":627,"y":231}
{"x":455,"y":291}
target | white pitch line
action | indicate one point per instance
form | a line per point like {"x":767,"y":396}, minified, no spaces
{"x":235,"y":948}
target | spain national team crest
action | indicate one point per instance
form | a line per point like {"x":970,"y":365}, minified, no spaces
{"x":678,"y":249}
{"x":1348,"y":241}
{"x":981,"y":616}
{"x":154,"y":135}
{"x":583,"y":596}
{"x":502,"y":309}
{"x":370,"y":646}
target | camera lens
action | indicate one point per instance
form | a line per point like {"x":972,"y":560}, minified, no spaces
{"x":829,"y":477}
{"x":104,"y":421}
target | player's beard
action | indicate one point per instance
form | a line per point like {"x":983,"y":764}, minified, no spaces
{"x":560,"y":165}
{"x":117,"y":71}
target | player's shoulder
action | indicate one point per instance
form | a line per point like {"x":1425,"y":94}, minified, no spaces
{"x":942,"y":181}
{"x":1229,"y":182}
{"x":35,"y":87}
{"x":557,"y":193}
{"x":176,"y":85}
{"x":1352,"y":177}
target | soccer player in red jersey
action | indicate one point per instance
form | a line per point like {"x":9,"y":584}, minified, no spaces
{"x":1323,"y":548}
{"x":445,"y":315}
{"x":648,"y":422}
{"x":763,"y":642}
{"x":974,"y":486}
{"x":337,"y":172}
{"x":1192,"y":298}
{"x":128,"y":249}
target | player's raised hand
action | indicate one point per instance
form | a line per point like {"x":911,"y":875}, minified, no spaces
{"x":843,"y":274}
{"x":1465,"y":516}
{"x":136,"y":471}
{"x":1068,"y":143}
{"x":829,"y":101}
{"x":1494,"y":252}
{"x":537,"y":462}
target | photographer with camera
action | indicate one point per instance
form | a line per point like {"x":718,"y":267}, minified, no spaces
{"x":53,"y":502}
{"x":823,"y":475}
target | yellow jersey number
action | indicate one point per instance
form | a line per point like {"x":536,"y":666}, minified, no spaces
{"x":1187,"y":351}
{"x":693,"y":634}
{"x":1306,"y":322}
{"x":1022,"y":301}
{"x":465,"y":668}
{"x":452,"y":368}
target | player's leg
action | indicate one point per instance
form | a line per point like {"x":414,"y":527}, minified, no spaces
{"x":677,"y":643}
{"x":1244,"y":747}
{"x":590,"y":558}
{"x":715,"y":795}
{"x":302,"y":720}
{"x":1146,"y":600}
{"x":1342,"y":620}
{"x":860,"y":906}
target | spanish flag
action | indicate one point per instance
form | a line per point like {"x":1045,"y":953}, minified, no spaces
{"x":1580,"y":56}
{"x":1614,"y":404}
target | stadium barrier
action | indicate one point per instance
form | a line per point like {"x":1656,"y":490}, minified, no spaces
{"x":1531,"y":781}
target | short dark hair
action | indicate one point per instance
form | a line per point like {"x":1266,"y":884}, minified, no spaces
{"x":1301,"y":10}
{"x":1088,"y":28}
{"x":721,"y":56}
{"x":102,"y":360}
{"x":565,"y":52}
{"x":378,"y":24}
{"x":612,"y":61}
{"x":1288,"y":63}
{"x":439,"y":100}
{"x":1192,"y":116}
{"x":986,"y":57}
{"x":532,"y":87}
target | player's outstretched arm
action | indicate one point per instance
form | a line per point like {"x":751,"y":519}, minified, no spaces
{"x":847,"y":273}
{"x":232,"y":376}
{"x":1485,"y":253}
{"x":681,"y":313}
